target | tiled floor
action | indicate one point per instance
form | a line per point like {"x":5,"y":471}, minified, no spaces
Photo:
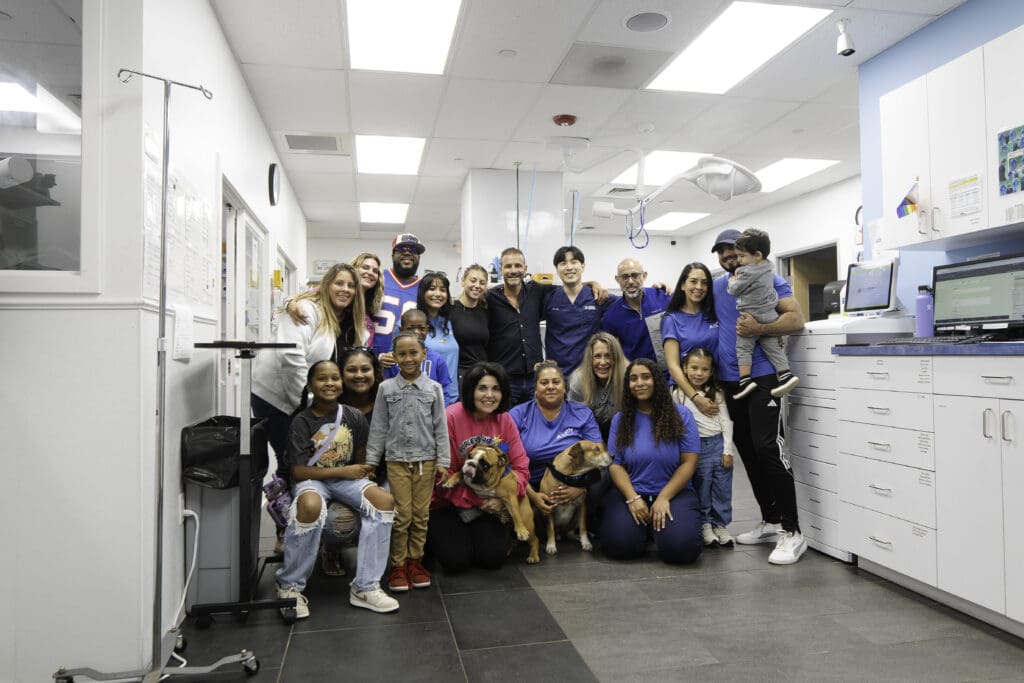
{"x":580,"y":617}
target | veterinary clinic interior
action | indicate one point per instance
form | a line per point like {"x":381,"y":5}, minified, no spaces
{"x":171,"y":173}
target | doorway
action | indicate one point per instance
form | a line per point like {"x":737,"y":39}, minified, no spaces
{"x":809,"y":272}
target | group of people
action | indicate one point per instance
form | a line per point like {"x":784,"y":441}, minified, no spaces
{"x":393,"y":381}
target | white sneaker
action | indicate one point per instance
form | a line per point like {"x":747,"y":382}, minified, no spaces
{"x":762,"y":533}
{"x":375,"y":600}
{"x":724,"y":537}
{"x":790,"y":547}
{"x":301,"y":603}
{"x":785,"y":387}
{"x":745,"y":390}
{"x":709,"y":536}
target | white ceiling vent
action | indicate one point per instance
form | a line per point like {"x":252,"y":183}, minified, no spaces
{"x":314,"y":143}
{"x":616,"y":191}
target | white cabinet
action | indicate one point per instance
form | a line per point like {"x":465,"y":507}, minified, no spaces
{"x":1011,"y":431}
{"x":933,"y":133}
{"x":1003,"y":107}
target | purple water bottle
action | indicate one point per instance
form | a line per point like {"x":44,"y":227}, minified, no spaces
{"x":924,"y":323}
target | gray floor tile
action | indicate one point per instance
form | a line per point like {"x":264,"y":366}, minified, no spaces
{"x":630,"y":652}
{"x":543,"y":662}
{"x":329,"y":608}
{"x":510,"y":576}
{"x":500,"y":618}
{"x":784,"y":637}
{"x":402,"y":652}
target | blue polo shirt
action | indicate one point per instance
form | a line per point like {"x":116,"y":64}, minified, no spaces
{"x":544,"y":439}
{"x":630,"y":327}
{"x":436,"y":369}
{"x":725,"y":309}
{"x":569,"y":326}
{"x":651,"y":463}
{"x":690,"y":330}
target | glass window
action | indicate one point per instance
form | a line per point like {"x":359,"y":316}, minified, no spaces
{"x":40,"y":135}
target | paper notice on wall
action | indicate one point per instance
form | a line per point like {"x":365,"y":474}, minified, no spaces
{"x":181,"y":344}
{"x":965,"y":196}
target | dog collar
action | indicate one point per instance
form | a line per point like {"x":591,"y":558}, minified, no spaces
{"x":580,"y":481}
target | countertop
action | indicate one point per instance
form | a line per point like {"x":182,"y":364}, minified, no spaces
{"x":983,"y":349}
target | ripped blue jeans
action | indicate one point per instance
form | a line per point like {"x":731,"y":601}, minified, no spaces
{"x":302,"y":539}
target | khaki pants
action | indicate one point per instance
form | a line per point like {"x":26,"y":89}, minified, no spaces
{"x":411,"y":485}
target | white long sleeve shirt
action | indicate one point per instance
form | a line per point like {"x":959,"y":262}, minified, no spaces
{"x":710,"y":426}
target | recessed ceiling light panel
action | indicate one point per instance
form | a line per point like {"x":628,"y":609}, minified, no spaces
{"x":381,"y":212}
{"x":411,"y":36}
{"x":660,"y":166}
{"x":391,"y":155}
{"x":673,"y":220}
{"x":787,"y":171}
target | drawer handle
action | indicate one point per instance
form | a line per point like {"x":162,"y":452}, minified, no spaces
{"x":880,"y":410}
{"x":811,"y":445}
{"x":814,"y":500}
{"x":878,"y":445}
{"x":816,"y":528}
{"x":811,"y":348}
{"x":997,"y":379}
{"x":880,"y":490}
{"x":875,"y":374}
{"x":812,"y":419}
{"x":813,"y":472}
{"x":810,"y":374}
{"x":880,"y":541}
{"x":1004,"y":426}
{"x":984,"y":422}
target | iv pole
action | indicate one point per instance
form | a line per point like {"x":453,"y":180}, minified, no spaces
{"x":156,"y":669}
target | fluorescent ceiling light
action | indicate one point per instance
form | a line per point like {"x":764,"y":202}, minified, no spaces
{"x":787,"y":171}
{"x":378,"y":212}
{"x":660,"y":166}
{"x":14,"y":97}
{"x":382,"y":154}
{"x":412,"y":36}
{"x":673,"y":220}
{"x":737,"y":43}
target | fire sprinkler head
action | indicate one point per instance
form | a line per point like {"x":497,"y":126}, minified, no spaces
{"x":564,"y":120}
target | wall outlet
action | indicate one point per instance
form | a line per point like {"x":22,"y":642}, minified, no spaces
{"x":181,"y":508}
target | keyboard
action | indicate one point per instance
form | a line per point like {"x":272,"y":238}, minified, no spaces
{"x":946,"y":339}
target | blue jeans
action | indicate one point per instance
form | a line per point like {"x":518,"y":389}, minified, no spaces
{"x":713,"y":483}
{"x":302,"y":539}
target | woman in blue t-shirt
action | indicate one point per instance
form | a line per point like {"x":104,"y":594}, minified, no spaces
{"x":654,"y":444}
{"x":690,"y":323}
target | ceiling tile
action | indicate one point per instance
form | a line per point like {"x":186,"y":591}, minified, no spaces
{"x":539,"y":31}
{"x":687,"y":18}
{"x":667,"y":112}
{"x":324,"y":187}
{"x":591,"y":106}
{"x":385,"y":188}
{"x":299,"y":99}
{"x":342,"y":212}
{"x":282,"y":33}
{"x":783,"y":137}
{"x":451,"y":157}
{"x":394,"y":104}
{"x":331,"y":229}
{"x":315,"y":163}
{"x":484,"y":110}
{"x":609,"y":66}
{"x":728,"y":122}
{"x":439,"y":190}
{"x":932,"y":7}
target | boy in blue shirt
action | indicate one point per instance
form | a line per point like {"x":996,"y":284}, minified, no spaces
{"x":434,"y":367}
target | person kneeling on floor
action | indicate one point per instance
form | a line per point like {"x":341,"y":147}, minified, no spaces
{"x":326,"y":445}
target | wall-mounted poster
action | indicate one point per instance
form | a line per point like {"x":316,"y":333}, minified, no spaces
{"x":1011,"y":160}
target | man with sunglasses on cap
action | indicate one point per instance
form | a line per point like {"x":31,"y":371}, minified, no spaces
{"x":757,"y":429}
{"x":400,"y":286}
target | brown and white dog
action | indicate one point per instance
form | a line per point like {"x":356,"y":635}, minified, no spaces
{"x":570,"y":468}
{"x":488,"y":473}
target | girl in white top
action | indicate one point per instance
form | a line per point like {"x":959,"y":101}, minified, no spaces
{"x":713,"y":476}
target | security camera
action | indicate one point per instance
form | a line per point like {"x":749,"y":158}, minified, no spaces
{"x":844,"y":43}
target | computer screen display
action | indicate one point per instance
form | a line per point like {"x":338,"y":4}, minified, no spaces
{"x":984,"y":293}
{"x":871,"y":286}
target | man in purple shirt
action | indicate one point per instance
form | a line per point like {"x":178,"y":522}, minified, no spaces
{"x":627,"y":317}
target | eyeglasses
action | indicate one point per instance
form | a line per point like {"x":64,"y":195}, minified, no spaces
{"x":404,"y":249}
{"x":630,"y":276}
{"x":358,"y":349}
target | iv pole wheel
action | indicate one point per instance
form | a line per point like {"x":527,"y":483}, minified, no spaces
{"x":251,"y":666}
{"x":180,"y":643}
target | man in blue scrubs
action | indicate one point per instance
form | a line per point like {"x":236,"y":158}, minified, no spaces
{"x":571,"y":311}
{"x":627,"y":316}
{"x":757,"y":430}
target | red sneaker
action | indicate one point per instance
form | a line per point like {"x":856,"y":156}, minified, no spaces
{"x":418,"y":574}
{"x":398,"y":580}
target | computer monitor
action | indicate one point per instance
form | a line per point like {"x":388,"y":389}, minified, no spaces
{"x":983,"y":294}
{"x":871,"y":286}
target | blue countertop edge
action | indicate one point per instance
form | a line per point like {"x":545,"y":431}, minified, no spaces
{"x":983,"y":349}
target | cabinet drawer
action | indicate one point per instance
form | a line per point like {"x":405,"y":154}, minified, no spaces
{"x":890,"y":373}
{"x":904,"y":492}
{"x":986,"y":376}
{"x":815,"y":375}
{"x":817,"y":501}
{"x":894,"y":543}
{"x":815,"y":473}
{"x":813,"y":347}
{"x":887,"y":408}
{"x":821,"y":529}
{"x":901,"y":446}
{"x":812,"y":418}
{"x":811,"y":446}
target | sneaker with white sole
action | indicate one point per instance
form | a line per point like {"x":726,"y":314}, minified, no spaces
{"x":301,"y":604}
{"x":790,"y":547}
{"x":765,"y":532}
{"x":708,"y":535}
{"x":746,"y":389}
{"x":724,"y":537}
{"x":785,"y":386}
{"x":375,"y":600}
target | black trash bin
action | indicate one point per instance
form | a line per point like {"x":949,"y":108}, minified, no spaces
{"x":209,"y":463}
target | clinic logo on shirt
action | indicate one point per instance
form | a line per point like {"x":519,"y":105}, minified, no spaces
{"x":568,"y":433}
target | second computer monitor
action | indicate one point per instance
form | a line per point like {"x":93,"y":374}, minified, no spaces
{"x":871,"y":286}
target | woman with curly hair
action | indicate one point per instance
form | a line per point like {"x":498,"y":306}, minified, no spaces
{"x":654,"y":444}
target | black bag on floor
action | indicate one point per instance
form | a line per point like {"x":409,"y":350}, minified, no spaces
{"x":209,"y":451}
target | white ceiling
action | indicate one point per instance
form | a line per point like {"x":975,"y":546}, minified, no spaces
{"x":491,"y":111}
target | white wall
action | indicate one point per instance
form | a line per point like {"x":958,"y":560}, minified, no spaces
{"x":440,"y":255}
{"x":80,"y":371}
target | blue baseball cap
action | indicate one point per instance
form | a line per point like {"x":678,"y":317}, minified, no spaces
{"x":725,"y":237}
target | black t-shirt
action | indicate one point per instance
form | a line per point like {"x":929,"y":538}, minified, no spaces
{"x":308,"y":432}
{"x":472,"y":332}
